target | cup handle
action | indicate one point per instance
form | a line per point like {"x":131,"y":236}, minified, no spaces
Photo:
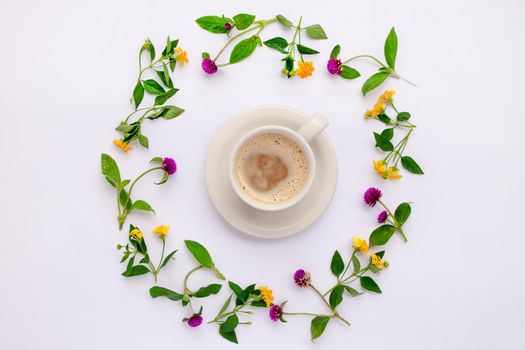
{"x":313,"y":127}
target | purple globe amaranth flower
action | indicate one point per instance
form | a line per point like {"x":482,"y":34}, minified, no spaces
{"x":208,"y":66}
{"x":195,"y":321}
{"x":334,"y":65}
{"x":275,"y":312}
{"x":372,"y":195}
{"x":382,"y":216}
{"x":169,"y":165}
{"x":228,"y":26}
{"x":302,"y":278}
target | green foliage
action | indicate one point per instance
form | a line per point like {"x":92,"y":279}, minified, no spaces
{"x":317,"y":326}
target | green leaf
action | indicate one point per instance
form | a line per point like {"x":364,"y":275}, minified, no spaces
{"x":133,"y":132}
{"x":369,"y":284}
{"x":356,"y":263}
{"x":153,"y":87}
{"x":171,"y":46}
{"x":213,"y":24}
{"x":381,"y":235}
{"x":110,"y":169}
{"x":142,"y":205}
{"x":157,"y":160}
{"x":315,"y":31}
{"x":164,"y":76}
{"x":306,"y":50}
{"x":156,"y":292}
{"x":335,"y":51}
{"x":336,"y":296}
{"x":318,"y":325}
{"x":277,"y":43}
{"x":237,"y":290}
{"x":388,"y":133}
{"x":161,"y":99}
{"x":124,"y":183}
{"x":284,"y":21}
{"x":167,"y":259}
{"x":136,"y":271}
{"x":231,"y":336}
{"x":199,"y":253}
{"x":225,"y":305}
{"x":354,"y":293}
{"x":171,"y":112}
{"x":151,"y":50}
{"x":125,"y":257}
{"x":402,"y":213}
{"x":138,"y":94}
{"x":243,"y":20}
{"x":381,"y":254}
{"x":410,"y":164}
{"x":144,"y":260}
{"x":384,"y":118}
{"x":123,"y":127}
{"x":124,"y":200}
{"x":230,"y":324}
{"x":403,"y":116}
{"x":143,"y":140}
{"x":374,"y":81}
{"x":391,"y":48}
{"x":165,"y":177}
{"x":243,"y":49}
{"x":208,"y":290}
{"x":348,"y":72}
{"x":383,"y":143}
{"x":337,"y":265}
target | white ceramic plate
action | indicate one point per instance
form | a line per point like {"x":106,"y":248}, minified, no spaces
{"x":253,"y":221}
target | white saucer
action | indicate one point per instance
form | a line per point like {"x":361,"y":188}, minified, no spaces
{"x":253,"y":221}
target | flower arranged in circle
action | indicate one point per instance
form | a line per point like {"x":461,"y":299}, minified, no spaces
{"x":334,"y":66}
{"x":161,"y":230}
{"x":122,"y":145}
{"x":135,"y":234}
{"x":386,"y":97}
{"x":302,"y":278}
{"x":275,"y":312}
{"x":181,"y":56}
{"x":360,"y":245}
{"x":371,"y":196}
{"x":381,"y":218}
{"x":305,"y":69}
{"x":377,"y":262}
{"x":266,"y":295}
{"x":209,"y":66}
{"x":195,"y":320}
{"x":169,"y":165}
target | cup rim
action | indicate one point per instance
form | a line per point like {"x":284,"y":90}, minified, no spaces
{"x":295,"y":136}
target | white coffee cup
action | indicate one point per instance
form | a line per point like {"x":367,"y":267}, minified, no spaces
{"x":303,"y":136}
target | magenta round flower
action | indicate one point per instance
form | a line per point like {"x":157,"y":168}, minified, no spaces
{"x":228,"y":26}
{"x":382,"y":216}
{"x":169,"y":165}
{"x":334,"y":65}
{"x":371,"y":196}
{"x":302,"y":278}
{"x":275,"y":312}
{"x":209,"y":66}
{"x":195,"y":320}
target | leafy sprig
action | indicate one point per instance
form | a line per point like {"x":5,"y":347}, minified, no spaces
{"x":124,"y":188}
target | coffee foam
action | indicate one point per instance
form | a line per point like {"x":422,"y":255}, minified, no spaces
{"x":271,"y":168}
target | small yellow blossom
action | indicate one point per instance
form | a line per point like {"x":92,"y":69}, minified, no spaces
{"x":161,"y":230}
{"x":136,"y":234}
{"x":122,"y":145}
{"x":386,"y":97}
{"x":380,"y":167}
{"x":378,"y":109}
{"x":360,"y":245}
{"x":376,"y":261}
{"x":266,"y":295}
{"x":393,"y":174}
{"x":181,"y":56}
{"x":305,"y":69}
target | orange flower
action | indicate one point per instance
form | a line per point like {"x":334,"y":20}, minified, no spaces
{"x":122,"y":145}
{"x":305,"y":69}
{"x":181,"y":56}
{"x":380,"y":167}
{"x":386,"y":97}
{"x":378,"y":109}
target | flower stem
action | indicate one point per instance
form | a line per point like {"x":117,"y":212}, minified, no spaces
{"x":186,"y":289}
{"x":365,"y":56}
{"x":396,"y":224}
{"x":162,"y":254}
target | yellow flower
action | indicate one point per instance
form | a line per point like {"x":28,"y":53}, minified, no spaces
{"x":360,"y":245}
{"x":376,"y":261}
{"x":181,"y":56}
{"x":122,"y":145}
{"x":380,"y":167}
{"x":393,"y":174}
{"x":386,"y":97}
{"x":161,"y":230}
{"x":305,"y":69}
{"x":136,"y":234}
{"x":267,"y":295}
{"x":378,"y":109}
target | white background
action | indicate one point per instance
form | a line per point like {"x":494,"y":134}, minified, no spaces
{"x":67,"y":70}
